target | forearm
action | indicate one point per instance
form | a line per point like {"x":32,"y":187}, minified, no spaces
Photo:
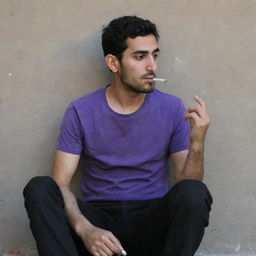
{"x":95,"y":239}
{"x":194,"y":165}
{"x":73,"y":213}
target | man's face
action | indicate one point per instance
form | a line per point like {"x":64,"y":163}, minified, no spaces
{"x":138,"y":64}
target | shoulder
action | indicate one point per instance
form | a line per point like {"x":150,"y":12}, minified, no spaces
{"x":91,"y":99}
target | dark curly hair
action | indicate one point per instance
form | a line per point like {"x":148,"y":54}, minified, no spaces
{"x":115,"y":35}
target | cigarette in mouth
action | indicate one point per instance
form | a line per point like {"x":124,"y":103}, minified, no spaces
{"x":160,"y":80}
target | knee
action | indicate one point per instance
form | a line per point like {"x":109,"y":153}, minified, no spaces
{"x":193,"y":197}
{"x":38,"y":189}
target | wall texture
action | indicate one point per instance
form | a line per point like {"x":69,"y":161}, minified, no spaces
{"x":50,"y":54}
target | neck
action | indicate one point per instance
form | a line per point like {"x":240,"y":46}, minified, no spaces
{"x":122,"y":100}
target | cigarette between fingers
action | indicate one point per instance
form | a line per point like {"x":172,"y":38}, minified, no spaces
{"x":123,"y":253}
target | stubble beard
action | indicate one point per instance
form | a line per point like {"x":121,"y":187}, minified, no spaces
{"x":135,"y":89}
{"x":132,"y":87}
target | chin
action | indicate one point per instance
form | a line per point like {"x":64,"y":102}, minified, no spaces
{"x":150,"y":88}
{"x":145,"y":89}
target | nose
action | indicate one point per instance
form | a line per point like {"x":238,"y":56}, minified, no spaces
{"x":151,"y":64}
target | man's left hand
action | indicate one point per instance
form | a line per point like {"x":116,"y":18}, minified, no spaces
{"x":199,"y":121}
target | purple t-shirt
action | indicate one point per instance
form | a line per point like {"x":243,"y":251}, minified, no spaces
{"x":126,"y":156}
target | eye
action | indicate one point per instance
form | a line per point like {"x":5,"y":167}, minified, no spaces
{"x":155,"y":56}
{"x":139,"y":57}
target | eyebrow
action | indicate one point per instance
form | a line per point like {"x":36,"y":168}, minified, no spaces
{"x":143,"y":51}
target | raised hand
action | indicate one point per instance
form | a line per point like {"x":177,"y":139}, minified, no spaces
{"x":199,"y":121}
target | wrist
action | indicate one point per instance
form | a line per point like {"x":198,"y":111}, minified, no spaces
{"x":82,"y":225}
{"x":197,"y":145}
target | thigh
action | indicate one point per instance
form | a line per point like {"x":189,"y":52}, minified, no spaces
{"x":101,"y":215}
{"x":146,"y":235}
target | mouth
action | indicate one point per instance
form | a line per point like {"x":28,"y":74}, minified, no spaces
{"x":149,"y":78}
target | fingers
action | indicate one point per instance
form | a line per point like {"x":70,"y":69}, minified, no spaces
{"x":199,"y":101}
{"x":199,"y":120}
{"x":200,"y":108}
{"x":113,"y":243}
{"x":198,"y":113}
{"x":116,"y":242}
{"x":102,"y":252}
{"x":106,"y":245}
{"x":192,"y":115}
{"x":196,"y":109}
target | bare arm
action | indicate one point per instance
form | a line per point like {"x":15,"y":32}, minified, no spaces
{"x":97,"y":241}
{"x":178,"y":161}
{"x":190,"y":164}
{"x":64,"y":169}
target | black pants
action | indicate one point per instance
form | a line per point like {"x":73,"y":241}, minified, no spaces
{"x":169,"y":226}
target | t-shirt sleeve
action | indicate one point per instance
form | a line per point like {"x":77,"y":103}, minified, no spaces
{"x":70,"y":138}
{"x":180,"y":136}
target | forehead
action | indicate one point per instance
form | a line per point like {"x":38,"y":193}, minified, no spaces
{"x":144,"y":43}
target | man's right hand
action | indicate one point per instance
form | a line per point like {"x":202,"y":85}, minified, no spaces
{"x":100,"y":242}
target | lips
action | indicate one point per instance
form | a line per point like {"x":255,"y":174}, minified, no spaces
{"x":148,"y":78}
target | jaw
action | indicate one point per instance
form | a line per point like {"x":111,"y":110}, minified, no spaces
{"x":146,"y":88}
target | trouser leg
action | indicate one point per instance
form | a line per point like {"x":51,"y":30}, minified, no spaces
{"x":175,"y":226}
{"x":44,"y":204}
{"x":48,"y":222}
{"x":188,"y":216}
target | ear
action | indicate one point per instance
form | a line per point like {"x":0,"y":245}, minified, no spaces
{"x":112,"y":62}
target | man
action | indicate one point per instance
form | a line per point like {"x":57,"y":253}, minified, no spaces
{"x":126,"y":132}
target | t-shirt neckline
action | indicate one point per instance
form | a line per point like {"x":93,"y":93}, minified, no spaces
{"x":124,"y":116}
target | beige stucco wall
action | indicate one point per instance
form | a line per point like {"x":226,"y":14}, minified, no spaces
{"x":50,"y":54}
